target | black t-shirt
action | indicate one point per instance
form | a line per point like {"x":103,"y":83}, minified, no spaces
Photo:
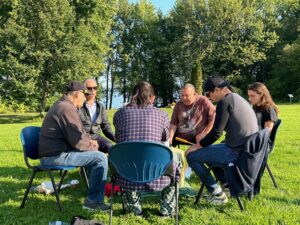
{"x":264,"y":115}
{"x":235,"y":116}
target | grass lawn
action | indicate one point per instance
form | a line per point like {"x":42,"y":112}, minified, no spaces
{"x":271,"y":206}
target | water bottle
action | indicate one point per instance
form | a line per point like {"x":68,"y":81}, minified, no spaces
{"x":188,"y":173}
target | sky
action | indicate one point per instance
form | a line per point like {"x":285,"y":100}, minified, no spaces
{"x":164,"y":5}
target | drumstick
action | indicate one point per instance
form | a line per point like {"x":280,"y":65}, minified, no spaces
{"x":183,"y":140}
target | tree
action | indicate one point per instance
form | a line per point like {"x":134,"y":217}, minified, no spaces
{"x":44,"y":45}
{"x":228,"y":36}
{"x":196,"y":77}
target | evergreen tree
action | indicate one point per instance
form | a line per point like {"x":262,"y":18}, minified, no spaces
{"x":196,"y":77}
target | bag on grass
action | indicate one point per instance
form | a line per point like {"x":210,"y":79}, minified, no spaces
{"x":80,"y":220}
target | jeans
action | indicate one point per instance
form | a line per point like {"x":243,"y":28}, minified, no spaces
{"x":213,"y":155}
{"x":96,"y":164}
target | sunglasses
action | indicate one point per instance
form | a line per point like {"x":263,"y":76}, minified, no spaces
{"x":92,"y":88}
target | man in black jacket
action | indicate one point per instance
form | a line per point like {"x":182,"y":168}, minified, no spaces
{"x":94,"y":118}
{"x":236,"y":117}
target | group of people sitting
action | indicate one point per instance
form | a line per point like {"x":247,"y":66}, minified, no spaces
{"x":71,"y":133}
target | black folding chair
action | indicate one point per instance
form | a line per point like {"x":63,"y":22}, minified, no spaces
{"x":272,"y":144}
{"x":245,"y":190}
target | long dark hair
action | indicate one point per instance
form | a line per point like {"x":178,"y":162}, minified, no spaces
{"x":141,"y":94}
{"x":266,"y":98}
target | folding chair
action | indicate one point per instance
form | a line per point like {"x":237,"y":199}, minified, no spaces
{"x":259,"y":141}
{"x":272,"y":144}
{"x":30,"y":139}
{"x":140,"y":162}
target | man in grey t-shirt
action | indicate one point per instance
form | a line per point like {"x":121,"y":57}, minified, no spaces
{"x":236,"y":117}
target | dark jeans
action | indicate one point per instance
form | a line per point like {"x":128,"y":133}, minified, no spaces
{"x":104,"y":144}
{"x":96,"y":164}
{"x":214,"y":155}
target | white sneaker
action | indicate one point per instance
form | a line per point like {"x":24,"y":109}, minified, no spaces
{"x":218,"y":199}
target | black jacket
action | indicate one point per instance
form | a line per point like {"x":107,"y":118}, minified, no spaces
{"x":244,"y":175}
{"x":101,"y":123}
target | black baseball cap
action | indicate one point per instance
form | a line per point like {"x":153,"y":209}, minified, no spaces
{"x":215,"y":82}
{"x":75,"y":86}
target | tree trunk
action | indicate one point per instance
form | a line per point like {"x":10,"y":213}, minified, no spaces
{"x":111,"y":91}
{"x":124,"y":89}
{"x":43,"y":103}
{"x":107,"y":79}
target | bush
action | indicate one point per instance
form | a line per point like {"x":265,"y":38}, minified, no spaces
{"x":12,"y":106}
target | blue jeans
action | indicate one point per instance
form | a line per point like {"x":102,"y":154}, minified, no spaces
{"x":96,"y":164}
{"x":213,"y":155}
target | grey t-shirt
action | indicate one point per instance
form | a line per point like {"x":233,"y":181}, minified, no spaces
{"x":235,"y":116}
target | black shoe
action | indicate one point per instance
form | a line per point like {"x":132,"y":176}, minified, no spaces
{"x":91,"y":206}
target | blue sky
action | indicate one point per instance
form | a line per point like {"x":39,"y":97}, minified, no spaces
{"x":164,"y":5}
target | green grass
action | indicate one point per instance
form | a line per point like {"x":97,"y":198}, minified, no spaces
{"x":271,"y":206}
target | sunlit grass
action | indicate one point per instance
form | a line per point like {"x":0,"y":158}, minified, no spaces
{"x":271,"y":206}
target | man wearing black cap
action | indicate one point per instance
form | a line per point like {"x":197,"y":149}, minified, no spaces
{"x":235,"y":116}
{"x":63,"y":141}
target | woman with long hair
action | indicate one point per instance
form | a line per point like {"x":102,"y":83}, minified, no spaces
{"x":265,"y":109}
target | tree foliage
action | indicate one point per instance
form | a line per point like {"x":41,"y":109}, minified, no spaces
{"x":44,"y":44}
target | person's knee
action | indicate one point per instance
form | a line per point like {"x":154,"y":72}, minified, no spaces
{"x":189,"y":158}
{"x":101,"y":158}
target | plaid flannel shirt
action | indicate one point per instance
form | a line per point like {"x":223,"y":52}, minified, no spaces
{"x":133,"y":123}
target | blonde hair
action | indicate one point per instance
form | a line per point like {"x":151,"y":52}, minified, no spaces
{"x":266,"y":98}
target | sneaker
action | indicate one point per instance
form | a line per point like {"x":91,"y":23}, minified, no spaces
{"x":165,"y":216}
{"x":91,"y":206}
{"x":218,"y":199}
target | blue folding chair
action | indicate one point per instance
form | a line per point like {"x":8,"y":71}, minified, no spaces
{"x":30,"y":140}
{"x":140,"y":162}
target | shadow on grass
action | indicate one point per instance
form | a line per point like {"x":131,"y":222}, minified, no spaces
{"x":285,"y":200}
{"x":19,"y":118}
{"x":14,"y":181}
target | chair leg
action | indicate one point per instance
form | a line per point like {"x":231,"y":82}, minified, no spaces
{"x":272,"y":177}
{"x":28,"y":189}
{"x":123,"y":204}
{"x":240,"y":203}
{"x":250,"y":195}
{"x":176,"y":201}
{"x":83,"y":173}
{"x":61,"y":180}
{"x":111,"y":202}
{"x":55,"y":190}
{"x":199,"y":194}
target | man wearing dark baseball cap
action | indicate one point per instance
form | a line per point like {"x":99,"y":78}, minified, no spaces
{"x":214,"y":82}
{"x":75,"y":86}
{"x":63,"y":141}
{"x":236,"y":117}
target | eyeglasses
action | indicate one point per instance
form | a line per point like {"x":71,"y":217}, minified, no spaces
{"x":207,"y":94}
{"x":92,"y":88}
